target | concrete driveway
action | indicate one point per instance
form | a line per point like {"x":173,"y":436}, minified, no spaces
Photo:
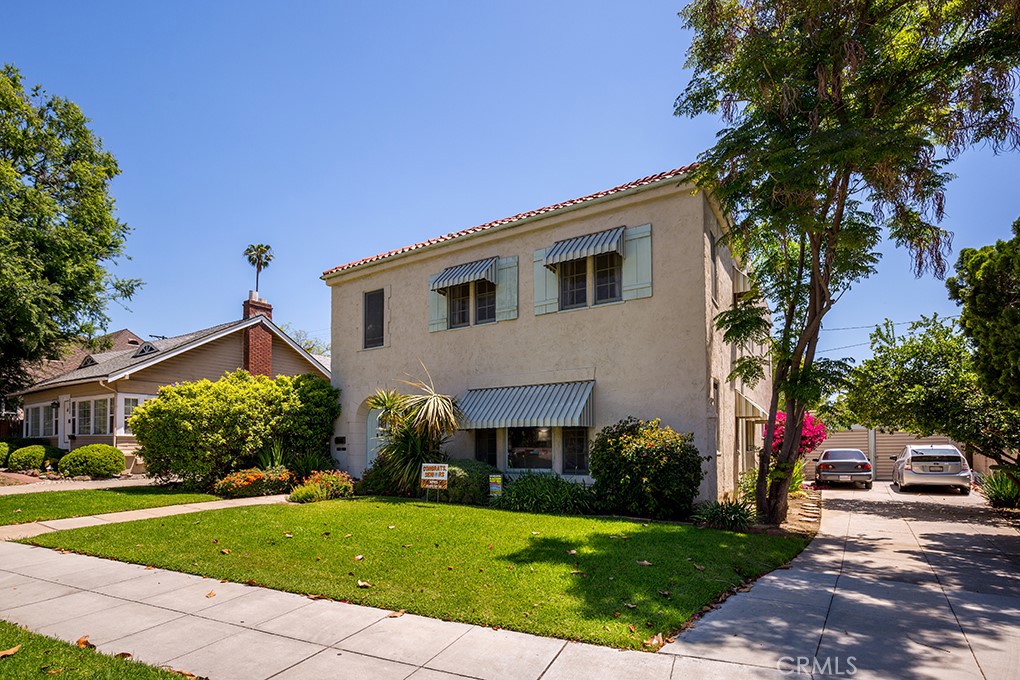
{"x":922,"y":584}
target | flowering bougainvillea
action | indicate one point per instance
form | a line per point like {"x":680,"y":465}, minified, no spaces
{"x":813,"y":434}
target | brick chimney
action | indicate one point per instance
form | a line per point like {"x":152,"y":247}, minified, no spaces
{"x":258,"y":340}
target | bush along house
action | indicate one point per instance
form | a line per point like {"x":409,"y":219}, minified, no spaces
{"x":551,"y":324}
{"x":90,"y":402}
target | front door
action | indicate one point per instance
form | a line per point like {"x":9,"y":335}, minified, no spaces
{"x":375,"y":441}
{"x":64,"y":421}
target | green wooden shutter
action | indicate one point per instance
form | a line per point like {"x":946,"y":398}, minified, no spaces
{"x":437,"y":310}
{"x":506,"y":289}
{"x":546,"y":289}
{"x":637,"y":262}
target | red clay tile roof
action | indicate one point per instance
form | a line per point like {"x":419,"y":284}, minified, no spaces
{"x":651,"y":179}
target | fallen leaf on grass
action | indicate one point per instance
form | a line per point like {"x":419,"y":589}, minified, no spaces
{"x":364,"y":584}
{"x":628,"y":605}
{"x":317,"y":597}
{"x":288,"y":535}
{"x":149,"y":566}
{"x":664,"y":593}
{"x":656,"y":640}
{"x":55,"y":671}
{"x":18,"y":510}
{"x":10,"y":652}
{"x":225,"y":551}
{"x":123,"y":655}
{"x":644,"y":563}
{"x":396,"y":614}
{"x":211,"y":593}
{"x":535,"y":533}
{"x":83,"y":643}
{"x":216,"y":540}
{"x":406,"y":545}
{"x":699,"y":567}
{"x":391,"y":527}
{"x":578,"y":572}
{"x":631,"y":627}
{"x":449,"y":567}
{"x":616,"y":615}
{"x":571,"y":552}
{"x":358,"y":558}
{"x":348,"y":535}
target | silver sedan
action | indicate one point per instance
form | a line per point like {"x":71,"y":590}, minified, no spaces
{"x":932,"y":465}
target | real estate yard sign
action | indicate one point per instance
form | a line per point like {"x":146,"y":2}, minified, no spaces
{"x":434,"y":475}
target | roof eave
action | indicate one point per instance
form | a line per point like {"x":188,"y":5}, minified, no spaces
{"x":679,"y":178}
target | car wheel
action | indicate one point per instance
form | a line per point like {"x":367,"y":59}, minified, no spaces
{"x":901,"y":485}
{"x":965,"y":490}
{"x":867,"y":485}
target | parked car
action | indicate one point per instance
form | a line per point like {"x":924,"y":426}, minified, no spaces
{"x":932,"y":465}
{"x":844,"y":465}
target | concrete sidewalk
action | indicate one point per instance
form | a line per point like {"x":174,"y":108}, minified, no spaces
{"x":225,"y":631}
{"x":896,"y":585}
{"x":68,"y":485}
{"x":14,"y":532}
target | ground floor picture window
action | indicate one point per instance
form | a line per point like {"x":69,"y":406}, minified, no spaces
{"x":92,"y":416}
{"x":485,"y":446}
{"x":530,"y":448}
{"x":575,"y":450}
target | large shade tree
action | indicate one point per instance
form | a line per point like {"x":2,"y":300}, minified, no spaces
{"x":840,"y":119}
{"x":987,"y":284}
{"x":59,"y":232}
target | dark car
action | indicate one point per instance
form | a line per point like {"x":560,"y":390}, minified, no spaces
{"x":844,"y":465}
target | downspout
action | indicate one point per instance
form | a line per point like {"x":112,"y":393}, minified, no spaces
{"x":113,"y":410}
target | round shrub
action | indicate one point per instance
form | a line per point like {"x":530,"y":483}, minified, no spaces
{"x":645,"y":470}
{"x":333,"y":483}
{"x":728,"y":515}
{"x":27,"y":458}
{"x":308,"y":493}
{"x":5,"y":451}
{"x":468,"y":482}
{"x":94,"y":460}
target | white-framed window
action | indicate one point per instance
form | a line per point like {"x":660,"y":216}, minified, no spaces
{"x":128,"y":404}
{"x":91,"y":416}
{"x":42,"y":420}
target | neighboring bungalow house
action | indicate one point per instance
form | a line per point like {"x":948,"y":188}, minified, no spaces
{"x":91,"y":401}
{"x":552,"y":324}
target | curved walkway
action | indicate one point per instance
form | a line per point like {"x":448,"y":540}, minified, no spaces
{"x":896,"y":585}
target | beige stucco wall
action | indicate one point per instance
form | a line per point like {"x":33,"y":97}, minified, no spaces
{"x":648,"y":357}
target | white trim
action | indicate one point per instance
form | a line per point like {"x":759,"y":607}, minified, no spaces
{"x":121,"y":426}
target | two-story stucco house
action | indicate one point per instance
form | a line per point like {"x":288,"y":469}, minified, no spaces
{"x":551,"y":324}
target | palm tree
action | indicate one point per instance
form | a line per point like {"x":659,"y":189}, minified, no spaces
{"x":259,"y":256}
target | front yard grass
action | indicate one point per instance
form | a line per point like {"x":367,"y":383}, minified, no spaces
{"x":40,"y":657}
{"x":45,"y":505}
{"x":606,"y":581}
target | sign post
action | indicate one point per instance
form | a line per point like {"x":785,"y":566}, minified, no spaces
{"x":434,"y":476}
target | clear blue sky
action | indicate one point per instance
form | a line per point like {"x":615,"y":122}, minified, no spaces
{"x":333,"y":131}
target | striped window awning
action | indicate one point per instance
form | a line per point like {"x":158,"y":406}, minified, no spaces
{"x":609,"y":241}
{"x":748,"y":410}
{"x":466,"y":273}
{"x":567,"y":404}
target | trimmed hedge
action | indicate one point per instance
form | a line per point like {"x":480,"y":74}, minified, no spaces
{"x":32,"y":457}
{"x":93,"y":460}
{"x":546,"y":493}
{"x":4,"y":454}
{"x":468,"y":482}
{"x":196,"y":432}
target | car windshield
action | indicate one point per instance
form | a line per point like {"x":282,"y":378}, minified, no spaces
{"x":844,"y":454}
{"x":936,"y":456}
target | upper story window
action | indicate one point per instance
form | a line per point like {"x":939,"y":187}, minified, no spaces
{"x":594,"y":269}
{"x":473,"y":293}
{"x":374,"y":318}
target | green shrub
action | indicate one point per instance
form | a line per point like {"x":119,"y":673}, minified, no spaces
{"x":196,"y":432}
{"x":645,"y":470}
{"x":547,"y":493}
{"x":4,"y":452}
{"x":308,"y":493}
{"x":33,"y":457}
{"x":381,"y":478}
{"x":729,"y":515}
{"x":304,"y":464}
{"x":468,"y":482}
{"x":254,"y":482}
{"x":335,"y":484}
{"x":1000,"y":490}
{"x":93,"y":460}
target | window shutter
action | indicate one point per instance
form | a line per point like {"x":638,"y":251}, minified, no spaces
{"x":437,"y":310}
{"x":637,"y":262}
{"x":506,"y":289}
{"x":546,"y":288}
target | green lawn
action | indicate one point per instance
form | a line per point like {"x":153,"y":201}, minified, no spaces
{"x":569,"y":577}
{"x":36,"y":507}
{"x":41,"y":657}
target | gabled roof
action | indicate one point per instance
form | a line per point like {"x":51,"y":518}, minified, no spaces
{"x":111,"y":343}
{"x":116,"y":365}
{"x":556,"y":207}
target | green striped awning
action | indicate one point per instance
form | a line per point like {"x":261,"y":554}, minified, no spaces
{"x":609,"y":241}
{"x":466,"y":273}
{"x":567,"y":404}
